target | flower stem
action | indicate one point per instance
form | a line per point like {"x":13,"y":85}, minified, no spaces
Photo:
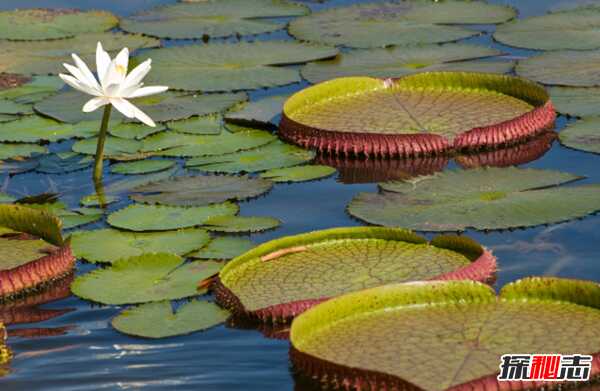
{"x":100,"y":147}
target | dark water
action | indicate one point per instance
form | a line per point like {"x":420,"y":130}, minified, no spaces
{"x":92,"y":356}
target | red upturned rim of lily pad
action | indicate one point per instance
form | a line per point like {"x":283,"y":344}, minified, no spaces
{"x":515,"y":130}
{"x":322,"y":371}
{"x":482,"y":267}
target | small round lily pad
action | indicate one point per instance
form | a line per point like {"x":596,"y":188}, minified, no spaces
{"x":90,"y":244}
{"x":565,"y":68}
{"x":141,"y":166}
{"x":299,"y":173}
{"x":158,"y":320}
{"x":240,"y":223}
{"x":421,"y":114}
{"x":583,"y":135}
{"x":403,"y":334}
{"x":142,"y":279}
{"x":224,"y":247}
{"x":282,"y":278}
{"x":140,"y":217}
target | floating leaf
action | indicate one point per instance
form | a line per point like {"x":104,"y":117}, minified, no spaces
{"x":208,"y":124}
{"x":224,"y":247}
{"x":8,"y":117}
{"x":406,"y":23}
{"x":576,"y":29}
{"x":231,"y":66}
{"x":63,"y":162}
{"x":273,"y":155}
{"x":70,"y":218}
{"x":260,"y":112}
{"x":32,"y":129}
{"x":377,"y":334}
{"x":141,"y":166}
{"x":90,"y":245}
{"x":140,"y":217}
{"x":145,"y":278}
{"x":113,"y":146}
{"x":10,"y":107}
{"x":131,"y":130}
{"x":201,"y":190}
{"x":11,"y":151}
{"x":38,"y":23}
{"x":566,"y":67}
{"x":576,"y":101}
{"x":35,"y":89}
{"x":96,"y":200}
{"x":241,"y":223}
{"x":421,"y":114}
{"x":583,"y":135}
{"x":157,"y":320}
{"x":401,"y":61}
{"x":121,"y":186}
{"x":488,"y":198}
{"x":66,"y":106}
{"x":47,"y":57}
{"x":281,"y":278}
{"x":298,"y":174}
{"x":75,"y":219}
{"x":213,"y":18}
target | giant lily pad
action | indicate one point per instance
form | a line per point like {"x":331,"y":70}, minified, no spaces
{"x":487,"y":198}
{"x":32,"y":129}
{"x":298,"y":174}
{"x":47,"y":57}
{"x":443,"y":335}
{"x":567,"y":67}
{"x":281,"y":278}
{"x":576,"y":101}
{"x":231,"y":66}
{"x":66,"y":107}
{"x":145,"y":278}
{"x":420,"y":114}
{"x":214,"y":18}
{"x":157,"y":320}
{"x":241,"y":223}
{"x":583,"y":135}
{"x":31,"y":24}
{"x":404,"y":23}
{"x":90,"y":244}
{"x":576,"y":29}
{"x":223,"y":247}
{"x":401,"y":61}
{"x":270,"y":156}
{"x":201,"y":190}
{"x":19,"y":150}
{"x":141,"y":217}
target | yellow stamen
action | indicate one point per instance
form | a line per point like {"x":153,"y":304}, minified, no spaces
{"x":121,"y":69}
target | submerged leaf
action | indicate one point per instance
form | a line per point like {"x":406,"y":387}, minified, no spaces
{"x":223,"y":247}
{"x":157,"y":320}
{"x":583,"y":135}
{"x":298,"y":174}
{"x":241,"y":223}
{"x":63,"y":162}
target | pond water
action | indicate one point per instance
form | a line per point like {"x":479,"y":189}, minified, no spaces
{"x":91,"y":355}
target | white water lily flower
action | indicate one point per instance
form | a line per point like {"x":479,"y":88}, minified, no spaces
{"x":114,"y":86}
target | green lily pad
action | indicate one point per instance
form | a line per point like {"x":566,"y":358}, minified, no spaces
{"x":583,"y":135}
{"x":130,"y":130}
{"x":69,"y":218}
{"x":38,"y":23}
{"x":63,"y":162}
{"x":11,"y":151}
{"x":457,"y":329}
{"x":141,"y":217}
{"x":201,"y":190}
{"x":401,"y":61}
{"x":487,"y":198}
{"x":241,"y":223}
{"x":157,"y":320}
{"x":90,"y":244}
{"x":141,"y":166}
{"x":213,"y":18}
{"x":8,"y":117}
{"x":36,"y":89}
{"x":122,"y":186}
{"x":175,"y":144}
{"x":567,"y":67}
{"x":231,"y":66}
{"x":224,"y":247}
{"x":259,"y":112}
{"x":298,"y":174}
{"x":113,"y":146}
{"x":575,"y":29}
{"x":33,"y":128}
{"x":96,"y":200}
{"x":407,"y":23}
{"x":47,"y":57}
{"x":168,"y":106}
{"x":10,"y":107}
{"x":576,"y":101}
{"x":274,"y":155}
{"x":281,"y":278}
{"x":205,"y":125}
{"x":74,"y":219}
{"x":145,"y":278}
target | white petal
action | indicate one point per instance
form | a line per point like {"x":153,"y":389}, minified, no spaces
{"x":85,"y":71}
{"x":145,"y":91}
{"x":102,"y":63}
{"x":122,"y":62}
{"x":135,"y":77}
{"x":73,"y":82}
{"x":94,"y":104}
{"x":77,"y":74}
{"x":139,"y":114}
{"x":126,"y":108}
